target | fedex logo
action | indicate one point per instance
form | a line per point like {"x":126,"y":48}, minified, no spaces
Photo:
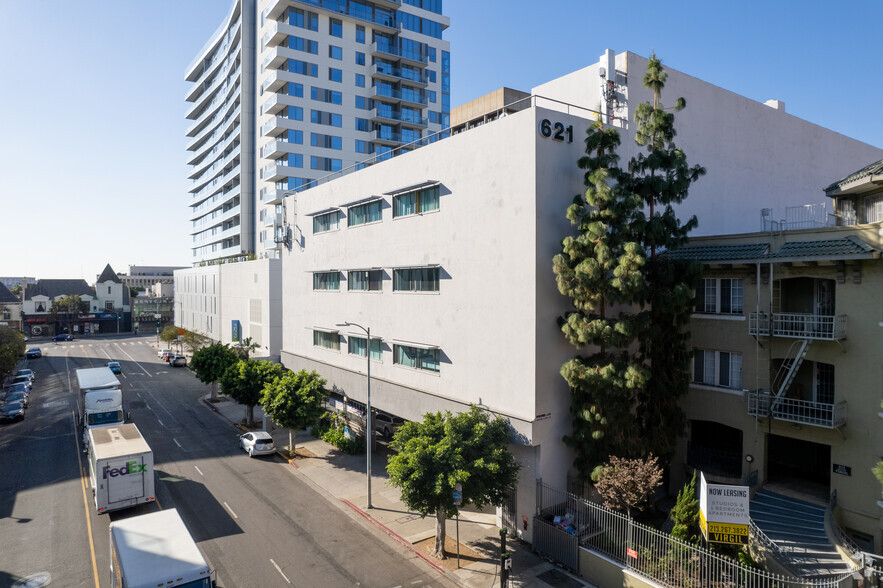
{"x":132,"y":467}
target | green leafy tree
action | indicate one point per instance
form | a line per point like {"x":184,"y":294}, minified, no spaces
{"x":434,"y":455}
{"x":16,"y":291}
{"x":631,"y":305}
{"x":169,"y":335}
{"x":294,"y":401}
{"x":685,"y":513}
{"x":628,"y":484}
{"x":244,"y":381}
{"x":66,"y":309}
{"x":12,"y":347}
{"x":246,"y":347}
{"x":194,"y":340}
{"x":210,"y":363}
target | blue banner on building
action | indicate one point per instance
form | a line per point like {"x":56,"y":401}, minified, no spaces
{"x":237,"y":332}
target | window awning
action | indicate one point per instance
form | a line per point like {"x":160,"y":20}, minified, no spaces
{"x":323,"y":211}
{"x":420,"y":186}
{"x":326,"y":330}
{"x":395,"y":267}
{"x":361,"y":201}
{"x":323,"y":271}
{"x":415,"y":345}
{"x":363,"y":269}
{"x":361,"y":335}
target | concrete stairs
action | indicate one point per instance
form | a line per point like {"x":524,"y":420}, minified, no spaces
{"x":797,"y":528}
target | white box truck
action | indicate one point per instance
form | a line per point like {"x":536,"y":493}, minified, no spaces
{"x":100,"y":397}
{"x":156,"y":550}
{"x":120,"y":467}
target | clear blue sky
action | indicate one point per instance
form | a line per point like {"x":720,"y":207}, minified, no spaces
{"x":92,"y":97}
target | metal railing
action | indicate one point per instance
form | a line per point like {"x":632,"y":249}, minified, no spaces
{"x":799,"y":325}
{"x":807,"y":412}
{"x":840,"y":536}
{"x":643,"y":549}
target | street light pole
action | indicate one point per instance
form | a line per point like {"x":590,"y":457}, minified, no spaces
{"x":369,"y":433}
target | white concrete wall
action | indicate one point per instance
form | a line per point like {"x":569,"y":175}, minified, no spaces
{"x":196,"y":300}
{"x":756,"y":156}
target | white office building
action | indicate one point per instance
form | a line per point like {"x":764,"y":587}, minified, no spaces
{"x":446,"y":253}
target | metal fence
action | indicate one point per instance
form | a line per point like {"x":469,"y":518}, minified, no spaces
{"x":642,"y":549}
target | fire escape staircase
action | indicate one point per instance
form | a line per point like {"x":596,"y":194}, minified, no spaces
{"x":788,"y":371}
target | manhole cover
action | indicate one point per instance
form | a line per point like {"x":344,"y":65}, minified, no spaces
{"x":34,"y":580}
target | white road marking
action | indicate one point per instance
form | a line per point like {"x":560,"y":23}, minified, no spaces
{"x":136,"y":363}
{"x":199,"y":470}
{"x":160,"y":423}
{"x":139,"y":394}
{"x":234,"y":514}
{"x":278,"y":569}
{"x":176,"y":442}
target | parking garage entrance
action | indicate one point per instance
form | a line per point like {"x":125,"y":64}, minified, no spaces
{"x":802,"y":463}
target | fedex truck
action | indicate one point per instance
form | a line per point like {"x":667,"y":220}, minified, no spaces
{"x":156,"y":550}
{"x":120,"y":467}
{"x":100,"y":397}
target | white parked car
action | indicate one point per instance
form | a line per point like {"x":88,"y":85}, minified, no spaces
{"x":163,"y":352}
{"x":257,"y":443}
{"x":387,"y":425}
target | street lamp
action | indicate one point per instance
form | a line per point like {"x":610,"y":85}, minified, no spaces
{"x":369,"y":433}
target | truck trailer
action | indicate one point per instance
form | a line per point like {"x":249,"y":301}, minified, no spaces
{"x":156,"y":550}
{"x":100,"y":398}
{"x":120,"y":467}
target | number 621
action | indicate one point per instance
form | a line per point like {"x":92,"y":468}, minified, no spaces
{"x":556,"y":131}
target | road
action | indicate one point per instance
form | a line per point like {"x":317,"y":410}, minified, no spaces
{"x":256,"y":522}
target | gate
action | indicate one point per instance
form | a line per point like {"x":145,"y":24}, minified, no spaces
{"x":555,"y":543}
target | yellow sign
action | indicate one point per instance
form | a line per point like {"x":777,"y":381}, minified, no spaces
{"x":728,"y":533}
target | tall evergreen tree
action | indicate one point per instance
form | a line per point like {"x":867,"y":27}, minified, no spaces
{"x":630,"y":303}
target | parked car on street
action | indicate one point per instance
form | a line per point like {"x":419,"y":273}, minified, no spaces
{"x":63,"y":337}
{"x":11,"y":411}
{"x":114,"y":367}
{"x":34,"y":353}
{"x":29,"y":373}
{"x":19,"y":396}
{"x":20,"y":387}
{"x":386,"y":424}
{"x":178,"y":361}
{"x":26,"y":380}
{"x":257,"y":443}
{"x":162,"y":353}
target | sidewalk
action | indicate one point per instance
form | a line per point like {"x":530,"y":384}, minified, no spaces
{"x":341,"y":477}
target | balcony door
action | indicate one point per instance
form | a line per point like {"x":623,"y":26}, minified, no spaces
{"x":824,"y":298}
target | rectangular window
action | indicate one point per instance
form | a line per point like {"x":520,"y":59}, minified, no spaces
{"x":363,"y":124}
{"x":364,"y":213}
{"x":360,"y":58}
{"x":719,"y":296}
{"x":304,"y":45}
{"x":360,"y":80}
{"x":364,"y":280}
{"x":303,"y":19}
{"x":326,"y":141}
{"x":295,"y":160}
{"x":431,"y":94}
{"x":303,"y":68}
{"x":326,"y":340}
{"x":326,"y":281}
{"x":295,"y":113}
{"x":335,"y":27}
{"x":296,"y":90}
{"x":416,"y":202}
{"x":335,"y":75}
{"x":430,"y":73}
{"x":295,"y":137}
{"x":357,"y":346}
{"x":320,"y":117}
{"x":330,"y":221}
{"x":361,"y":103}
{"x":717,"y":368}
{"x":325,"y":163}
{"x":874,"y":209}
{"x":415,"y":279}
{"x":363,"y":146}
{"x":360,"y":34}
{"x":323,"y":95}
{"x":335,"y":52}
{"x":414,"y":357}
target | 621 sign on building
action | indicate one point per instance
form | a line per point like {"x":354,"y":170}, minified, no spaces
{"x":556,"y":131}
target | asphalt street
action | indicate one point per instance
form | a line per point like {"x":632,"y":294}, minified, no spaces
{"x":255,"y":521}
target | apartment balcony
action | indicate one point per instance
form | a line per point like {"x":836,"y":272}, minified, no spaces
{"x":274,"y":34}
{"x":398,"y":96}
{"x":274,"y":9}
{"x":274,"y":149}
{"x":272,"y":245}
{"x":275,"y":172}
{"x":274,"y":58}
{"x":387,"y":138}
{"x":273,"y":82}
{"x":792,"y":410}
{"x":396,"y":74}
{"x":389,"y":52}
{"x":798,"y":325}
{"x":271,"y":196}
{"x":392,"y":117}
{"x":278,"y":125}
{"x":273,"y":219}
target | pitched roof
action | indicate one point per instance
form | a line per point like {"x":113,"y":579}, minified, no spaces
{"x":873,"y":169}
{"x":717,"y":253}
{"x":108,"y":275}
{"x":6,"y":295}
{"x":54,"y":288}
{"x":850,"y":247}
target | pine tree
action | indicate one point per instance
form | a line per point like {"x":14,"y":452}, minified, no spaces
{"x":631,"y":304}
{"x":685,"y":513}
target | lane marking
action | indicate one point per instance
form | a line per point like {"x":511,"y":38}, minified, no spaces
{"x":85,"y":503}
{"x":135,"y":362}
{"x":278,"y":569}
{"x":199,"y":470}
{"x":160,"y":423}
{"x":231,"y":510}
{"x":176,"y":442}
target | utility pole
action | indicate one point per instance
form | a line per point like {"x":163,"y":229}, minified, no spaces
{"x":505,"y":560}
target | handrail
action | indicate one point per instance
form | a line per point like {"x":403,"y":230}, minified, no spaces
{"x":843,"y":540}
{"x":770,"y":545}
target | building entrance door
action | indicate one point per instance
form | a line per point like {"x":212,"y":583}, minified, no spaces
{"x":799,"y":462}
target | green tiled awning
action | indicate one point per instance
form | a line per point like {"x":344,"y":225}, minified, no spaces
{"x":748,"y":252}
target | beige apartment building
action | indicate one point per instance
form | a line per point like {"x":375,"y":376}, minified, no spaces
{"x":787,"y":373}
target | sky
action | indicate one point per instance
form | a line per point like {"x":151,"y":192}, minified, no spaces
{"x":92,"y":143}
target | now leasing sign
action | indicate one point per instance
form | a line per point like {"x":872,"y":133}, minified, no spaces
{"x":723,"y":512}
